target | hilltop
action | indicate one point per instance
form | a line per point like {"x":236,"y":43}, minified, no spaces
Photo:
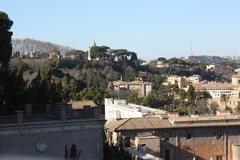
{"x":25,"y":46}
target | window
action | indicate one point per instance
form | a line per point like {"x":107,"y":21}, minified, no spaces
{"x":219,"y":157}
{"x":189,"y":134}
{"x":126,"y":141}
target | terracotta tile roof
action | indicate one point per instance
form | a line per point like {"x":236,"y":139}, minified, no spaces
{"x":178,"y":122}
{"x":139,"y":123}
{"x":200,"y":86}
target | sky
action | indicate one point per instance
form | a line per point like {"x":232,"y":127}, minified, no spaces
{"x":151,"y":28}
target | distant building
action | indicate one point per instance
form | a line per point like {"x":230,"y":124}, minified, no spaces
{"x":237,"y":70}
{"x":194,"y":79}
{"x":55,"y":54}
{"x":178,"y":80}
{"x":210,"y":67}
{"x":123,"y":87}
{"x":160,"y":64}
{"x":236,"y":80}
{"x":231,"y":101}
{"x":216,"y":90}
{"x":178,"y":138}
{"x":52,"y":135}
{"x":119,"y":109}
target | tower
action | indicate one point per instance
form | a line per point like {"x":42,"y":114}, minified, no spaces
{"x":89,"y":54}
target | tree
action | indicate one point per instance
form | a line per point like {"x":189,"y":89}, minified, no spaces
{"x":94,"y":94}
{"x":133,"y":97}
{"x":190,"y":94}
{"x":214,"y":107}
{"x":5,"y":40}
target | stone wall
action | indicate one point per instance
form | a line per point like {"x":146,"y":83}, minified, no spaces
{"x":50,"y":140}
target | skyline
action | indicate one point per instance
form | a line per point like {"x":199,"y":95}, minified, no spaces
{"x":152,"y":30}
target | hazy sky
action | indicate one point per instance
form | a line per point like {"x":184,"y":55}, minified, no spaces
{"x":151,"y":28}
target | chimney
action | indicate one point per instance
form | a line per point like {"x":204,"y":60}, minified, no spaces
{"x":19,"y":116}
{"x":28,"y":109}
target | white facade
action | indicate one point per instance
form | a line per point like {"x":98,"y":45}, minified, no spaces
{"x":217,"y":93}
{"x":194,"y":79}
{"x":210,"y":67}
{"x":120,"y":109}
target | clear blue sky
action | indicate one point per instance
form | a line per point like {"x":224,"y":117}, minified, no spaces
{"x":151,"y":28}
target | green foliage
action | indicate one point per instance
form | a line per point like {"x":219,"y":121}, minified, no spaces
{"x":133,"y":97}
{"x":5,"y":40}
{"x":115,"y":153}
{"x":190,"y":95}
{"x":94,"y":94}
{"x":129,"y":74}
{"x":98,"y":51}
{"x":151,"y":100}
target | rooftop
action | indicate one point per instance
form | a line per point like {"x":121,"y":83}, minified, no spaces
{"x":204,"y":86}
{"x":236,"y":75}
{"x":176,"y":122}
{"x":131,"y":82}
{"x":133,"y":107}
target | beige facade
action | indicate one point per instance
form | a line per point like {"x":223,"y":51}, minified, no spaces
{"x":231,"y":101}
{"x":180,"y":81}
{"x":236,"y":80}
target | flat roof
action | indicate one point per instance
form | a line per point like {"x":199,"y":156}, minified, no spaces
{"x":134,"y":107}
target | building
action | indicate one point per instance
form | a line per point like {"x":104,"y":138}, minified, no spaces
{"x":54,"y":54}
{"x":210,"y":67}
{"x":160,"y":64}
{"x":194,"y":79}
{"x":178,"y":80}
{"x":50,"y":136}
{"x":216,"y":90}
{"x":119,"y":109}
{"x":236,"y":80}
{"x":123,"y":87}
{"x":179,"y":138}
{"x":237,"y":70}
{"x":230,"y":101}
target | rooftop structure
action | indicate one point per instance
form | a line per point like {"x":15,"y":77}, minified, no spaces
{"x":119,"y":109}
{"x":173,"y":137}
